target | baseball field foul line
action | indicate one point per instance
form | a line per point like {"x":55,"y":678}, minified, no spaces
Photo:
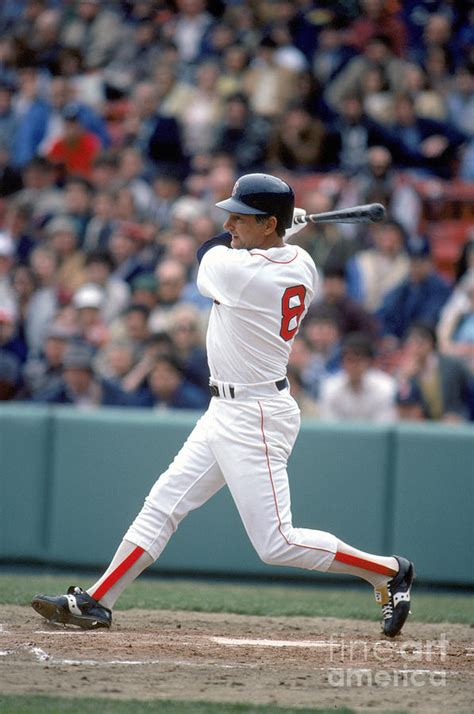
{"x":236,"y":642}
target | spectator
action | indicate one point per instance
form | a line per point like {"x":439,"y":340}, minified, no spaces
{"x":351,"y":135}
{"x":62,"y":237}
{"x":359,"y":392}
{"x":94,"y":30}
{"x":133,"y":327}
{"x":116,"y":360}
{"x":77,"y":204}
{"x":10,"y":177}
{"x":44,"y":302}
{"x":323,"y":336}
{"x":374,"y":272}
{"x":168,"y":388}
{"x":172,"y":93}
{"x":442,"y":380}
{"x":9,"y":374}
{"x":101,"y":224}
{"x":166,"y":190}
{"x":124,"y":249}
{"x":39,"y":190}
{"x":188,"y":341}
{"x":307,"y":405}
{"x":17,"y":226}
{"x":80,"y":386}
{"x":171,"y":278}
{"x":331,"y":54}
{"x":88,"y":302}
{"x":31,"y":116}
{"x":465,"y":262}
{"x":131,"y":173}
{"x":297,"y":143}
{"x":420,"y":143}
{"x":420,"y":296}
{"x":379,"y":183}
{"x":455,"y":330}
{"x":460,"y":100}
{"x":188,"y":30}
{"x":155,"y":135}
{"x":24,"y":286}
{"x":460,"y":104}
{"x":73,"y":152}
{"x":116,"y":293}
{"x":43,"y":370}
{"x":44,"y":37}
{"x":61,"y":95}
{"x":144,"y":290}
{"x":377,"y":19}
{"x":135,"y":58}
{"x":377,"y":52}
{"x":350,"y":316}
{"x":268,"y":85}
{"x":203,"y":110}
{"x":10,"y":341}
{"x":7,"y":253}
{"x":437,"y":34}
{"x":7,"y":114}
{"x":235,"y":61}
{"x":429,"y":102}
{"x":409,"y":402}
{"x":242,"y":134}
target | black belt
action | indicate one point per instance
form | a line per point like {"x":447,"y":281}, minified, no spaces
{"x":214,"y":389}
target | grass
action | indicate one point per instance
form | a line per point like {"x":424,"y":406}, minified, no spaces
{"x":59,"y":705}
{"x":246,"y":599}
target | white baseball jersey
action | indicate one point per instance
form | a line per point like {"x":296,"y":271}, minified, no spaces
{"x":260,"y":298}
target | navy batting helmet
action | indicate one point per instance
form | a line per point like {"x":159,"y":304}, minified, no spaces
{"x":262,"y":194}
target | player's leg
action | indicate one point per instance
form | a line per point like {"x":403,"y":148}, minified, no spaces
{"x":192,"y":478}
{"x":254,"y":465}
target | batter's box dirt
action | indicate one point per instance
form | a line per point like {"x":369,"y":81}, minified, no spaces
{"x":319,"y":662}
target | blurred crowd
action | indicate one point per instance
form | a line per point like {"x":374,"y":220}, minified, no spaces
{"x":122,"y":123}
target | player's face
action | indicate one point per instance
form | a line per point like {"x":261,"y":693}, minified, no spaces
{"x":245,"y":231}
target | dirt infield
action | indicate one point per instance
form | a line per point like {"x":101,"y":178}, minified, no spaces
{"x":312,"y":662}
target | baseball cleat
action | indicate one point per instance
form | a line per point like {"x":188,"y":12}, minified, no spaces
{"x":75,"y":608}
{"x":395,"y":598}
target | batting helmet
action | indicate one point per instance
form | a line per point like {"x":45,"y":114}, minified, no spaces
{"x":262,"y":194}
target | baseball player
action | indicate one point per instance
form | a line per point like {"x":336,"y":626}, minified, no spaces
{"x":261,"y":287}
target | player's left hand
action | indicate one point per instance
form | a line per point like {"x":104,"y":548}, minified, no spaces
{"x":295,"y":227}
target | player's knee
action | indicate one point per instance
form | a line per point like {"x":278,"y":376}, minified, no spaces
{"x":271,"y":555}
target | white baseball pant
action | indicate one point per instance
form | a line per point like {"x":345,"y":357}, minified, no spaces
{"x":245,"y":443}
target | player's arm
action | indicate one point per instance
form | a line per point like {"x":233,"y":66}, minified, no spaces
{"x":223,"y":272}
{"x":222,"y":239}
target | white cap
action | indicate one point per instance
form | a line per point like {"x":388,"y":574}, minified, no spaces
{"x":7,"y":247}
{"x":88,"y":295}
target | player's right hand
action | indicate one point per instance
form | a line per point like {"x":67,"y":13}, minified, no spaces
{"x":295,"y":227}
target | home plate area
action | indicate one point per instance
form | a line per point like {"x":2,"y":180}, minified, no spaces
{"x":287,"y":661}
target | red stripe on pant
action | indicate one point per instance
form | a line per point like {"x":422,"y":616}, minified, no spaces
{"x":116,"y":574}
{"x":364,"y":564}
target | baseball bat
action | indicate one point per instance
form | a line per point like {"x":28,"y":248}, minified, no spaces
{"x":370,"y":213}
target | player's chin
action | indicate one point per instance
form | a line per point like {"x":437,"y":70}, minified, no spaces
{"x":235,"y":242}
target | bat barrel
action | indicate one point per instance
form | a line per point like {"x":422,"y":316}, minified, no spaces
{"x":369,"y":213}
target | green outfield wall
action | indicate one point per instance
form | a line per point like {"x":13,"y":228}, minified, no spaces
{"x":71,"y":481}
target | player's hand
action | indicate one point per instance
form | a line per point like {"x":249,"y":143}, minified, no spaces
{"x":295,"y":227}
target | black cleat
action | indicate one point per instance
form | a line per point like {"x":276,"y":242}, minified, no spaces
{"x":395,"y":598}
{"x":75,"y":608}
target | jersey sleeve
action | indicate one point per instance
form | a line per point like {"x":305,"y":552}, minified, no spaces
{"x":223,"y":274}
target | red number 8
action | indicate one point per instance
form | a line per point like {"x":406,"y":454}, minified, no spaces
{"x":288,"y":312}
